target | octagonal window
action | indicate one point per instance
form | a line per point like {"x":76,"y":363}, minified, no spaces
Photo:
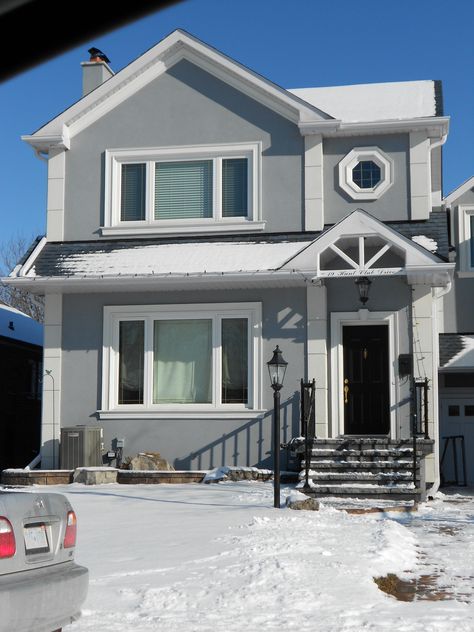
{"x":366,"y":174}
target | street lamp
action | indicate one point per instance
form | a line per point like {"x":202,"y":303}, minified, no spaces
{"x":276,"y":369}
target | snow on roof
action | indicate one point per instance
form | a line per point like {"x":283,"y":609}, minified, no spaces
{"x":18,"y":326}
{"x":464,"y":358}
{"x":373,"y":101}
{"x":179,"y":259}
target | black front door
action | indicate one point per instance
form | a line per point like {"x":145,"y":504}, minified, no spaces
{"x":366,"y":389}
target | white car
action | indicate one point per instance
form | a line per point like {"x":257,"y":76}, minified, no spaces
{"x":41,"y":587}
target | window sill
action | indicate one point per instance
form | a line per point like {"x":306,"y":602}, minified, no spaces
{"x":152,"y":415}
{"x":466,"y":274}
{"x":188,"y":228}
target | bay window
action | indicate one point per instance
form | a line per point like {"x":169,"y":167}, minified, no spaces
{"x":183,"y":189}
{"x":182,"y":357}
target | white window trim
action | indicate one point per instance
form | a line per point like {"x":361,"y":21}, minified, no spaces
{"x":114,"y":158}
{"x":361,"y":317}
{"x":465,"y":212}
{"x":214,"y":311}
{"x":357,"y":155}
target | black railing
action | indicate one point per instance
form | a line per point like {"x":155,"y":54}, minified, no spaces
{"x":419,"y":426}
{"x":308,"y":423}
{"x":421,"y":407}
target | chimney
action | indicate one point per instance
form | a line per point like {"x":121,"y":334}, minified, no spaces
{"x":95,"y":71}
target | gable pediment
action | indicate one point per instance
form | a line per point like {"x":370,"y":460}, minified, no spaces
{"x":176,"y":47}
{"x":360,"y":245}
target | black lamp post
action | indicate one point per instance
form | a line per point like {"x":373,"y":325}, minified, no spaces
{"x":363,"y":285}
{"x":276,"y":369}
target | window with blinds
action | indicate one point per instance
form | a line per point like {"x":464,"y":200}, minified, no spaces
{"x":234,"y":187}
{"x":185,"y":190}
{"x":132,"y":207}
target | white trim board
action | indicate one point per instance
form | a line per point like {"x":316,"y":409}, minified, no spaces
{"x":362,"y":317}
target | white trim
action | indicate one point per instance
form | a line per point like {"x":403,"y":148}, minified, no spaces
{"x":148,"y":313}
{"x":115,"y":158}
{"x":436,"y":126}
{"x":218,"y":414}
{"x":362,"y":317}
{"x":214,"y":226}
{"x":458,"y":191}
{"x":359,"y":154}
{"x":23,"y":270}
{"x":465,"y":212}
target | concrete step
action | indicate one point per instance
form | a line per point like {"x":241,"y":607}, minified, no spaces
{"x":363,"y":491}
{"x":370,"y":477}
{"x":366,"y":454}
{"x":329,"y":464}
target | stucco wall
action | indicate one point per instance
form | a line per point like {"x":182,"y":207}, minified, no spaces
{"x":185,"y":106}
{"x":393,"y":204}
{"x":185,"y":443}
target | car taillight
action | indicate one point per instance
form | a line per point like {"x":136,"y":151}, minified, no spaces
{"x":71,"y":529}
{"x":7,"y":539}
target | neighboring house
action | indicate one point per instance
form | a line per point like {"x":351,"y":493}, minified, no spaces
{"x":457,"y":338}
{"x":21,"y":351}
{"x":199,"y":215}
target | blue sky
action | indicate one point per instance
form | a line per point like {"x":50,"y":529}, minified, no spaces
{"x":295,"y":44}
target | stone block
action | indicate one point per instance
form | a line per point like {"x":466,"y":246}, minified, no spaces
{"x":149,"y":461}
{"x":95,"y":476}
{"x":299,"y":502}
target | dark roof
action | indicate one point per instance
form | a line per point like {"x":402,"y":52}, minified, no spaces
{"x":436,"y":228}
{"x":51,"y":259}
{"x":449,"y":346}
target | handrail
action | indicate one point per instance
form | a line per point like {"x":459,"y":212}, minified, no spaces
{"x":420,"y":419}
{"x":308,"y":390}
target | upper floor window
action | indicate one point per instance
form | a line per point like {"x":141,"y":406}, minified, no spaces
{"x":366,"y":173}
{"x":183,"y":190}
{"x":466,"y":239}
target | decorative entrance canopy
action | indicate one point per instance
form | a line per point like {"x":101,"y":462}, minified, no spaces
{"x":360,"y":245}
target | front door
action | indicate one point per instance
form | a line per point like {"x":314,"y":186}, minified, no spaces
{"x":366,"y":389}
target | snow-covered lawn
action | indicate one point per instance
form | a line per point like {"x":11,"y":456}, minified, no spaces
{"x":219,"y":558}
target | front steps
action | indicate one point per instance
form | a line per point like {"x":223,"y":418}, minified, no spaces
{"x":376,"y":468}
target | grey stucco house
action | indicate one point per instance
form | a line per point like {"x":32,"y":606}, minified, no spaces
{"x":457,"y":339}
{"x":198,"y":215}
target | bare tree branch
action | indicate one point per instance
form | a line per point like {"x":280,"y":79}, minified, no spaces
{"x":11,"y":253}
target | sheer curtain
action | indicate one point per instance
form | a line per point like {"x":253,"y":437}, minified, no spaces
{"x":182,"y":362}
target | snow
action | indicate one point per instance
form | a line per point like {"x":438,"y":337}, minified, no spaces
{"x":180,"y":259}
{"x":426,"y":242}
{"x":373,"y":101}
{"x":18,"y":326}
{"x":465,"y":358}
{"x":202,"y":558}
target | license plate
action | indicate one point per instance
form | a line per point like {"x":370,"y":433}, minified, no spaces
{"x":36,"y":539}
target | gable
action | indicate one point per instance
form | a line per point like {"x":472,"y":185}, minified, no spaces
{"x":158,"y":60}
{"x":360,"y":245}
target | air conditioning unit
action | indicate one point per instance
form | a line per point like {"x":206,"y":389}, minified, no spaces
{"x":81,"y":446}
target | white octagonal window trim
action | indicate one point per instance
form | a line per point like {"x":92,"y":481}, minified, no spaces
{"x":354,"y":158}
